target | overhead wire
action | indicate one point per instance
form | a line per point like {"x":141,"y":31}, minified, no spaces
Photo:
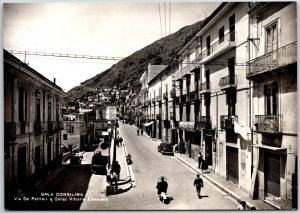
{"x":160,"y":19}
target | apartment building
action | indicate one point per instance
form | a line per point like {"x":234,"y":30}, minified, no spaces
{"x":155,"y":96}
{"x":32,"y":124}
{"x":272,"y":70}
{"x":187,"y":102}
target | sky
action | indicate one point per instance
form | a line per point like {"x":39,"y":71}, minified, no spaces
{"x":112,"y":29}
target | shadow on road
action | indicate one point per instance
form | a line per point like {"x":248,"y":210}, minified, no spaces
{"x":64,"y":192}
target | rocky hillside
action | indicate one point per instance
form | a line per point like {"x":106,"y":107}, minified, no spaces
{"x":131,"y":68}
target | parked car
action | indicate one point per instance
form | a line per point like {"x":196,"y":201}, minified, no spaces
{"x":99,"y":163}
{"x":165,"y":148}
{"x":75,"y":159}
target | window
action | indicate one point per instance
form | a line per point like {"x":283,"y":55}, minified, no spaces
{"x":271,"y":98}
{"x":221,"y":35}
{"x":22,"y":104}
{"x":272,"y":40}
{"x":232,"y":27}
{"x":49,"y":108}
{"x":208,"y":45}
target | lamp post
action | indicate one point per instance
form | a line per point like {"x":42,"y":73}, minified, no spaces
{"x":114,"y":153}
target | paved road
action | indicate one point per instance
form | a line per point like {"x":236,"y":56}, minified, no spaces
{"x":148,"y":165}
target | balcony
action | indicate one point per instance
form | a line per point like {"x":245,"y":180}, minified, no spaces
{"x":185,"y":70}
{"x":268,"y":124}
{"x":205,"y":87}
{"x":193,"y":96}
{"x":182,"y":99}
{"x":165,"y":96}
{"x":10,"y":131}
{"x":204,"y":123}
{"x":178,"y":75}
{"x":60,"y":125}
{"x":52,"y":127}
{"x":158,"y":98}
{"x":194,"y":65}
{"x":227,"y":122}
{"x":153,"y":100}
{"x":228,"y":82}
{"x":272,"y":61}
{"x":173,"y":93}
{"x":218,"y":48}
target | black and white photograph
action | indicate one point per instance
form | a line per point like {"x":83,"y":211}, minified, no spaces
{"x":150,"y":106}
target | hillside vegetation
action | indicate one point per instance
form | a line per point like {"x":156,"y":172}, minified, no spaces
{"x":131,"y":68}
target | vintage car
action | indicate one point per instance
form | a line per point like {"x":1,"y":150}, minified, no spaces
{"x":75,"y":159}
{"x":99,"y":163}
{"x":165,"y":148}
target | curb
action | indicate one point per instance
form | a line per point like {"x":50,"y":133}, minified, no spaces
{"x":229,"y":192}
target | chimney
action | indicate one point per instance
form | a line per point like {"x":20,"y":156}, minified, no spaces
{"x":54,"y":80}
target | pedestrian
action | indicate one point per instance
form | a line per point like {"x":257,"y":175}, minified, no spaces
{"x":161,"y":186}
{"x":138,"y":131}
{"x":128,"y":159}
{"x":204,"y":166}
{"x":142,"y":131}
{"x":117,"y":169}
{"x":242,"y":205}
{"x":200,"y":160}
{"x":114,"y":180}
{"x":198,"y":183}
{"x":120,"y":141}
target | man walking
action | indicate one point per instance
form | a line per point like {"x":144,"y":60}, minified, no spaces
{"x":117,"y":169}
{"x":198,"y":182}
{"x":200,"y":160}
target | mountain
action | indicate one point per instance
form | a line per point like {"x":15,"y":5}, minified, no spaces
{"x":131,"y":68}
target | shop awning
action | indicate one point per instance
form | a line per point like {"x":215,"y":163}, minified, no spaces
{"x":280,"y":149}
{"x":149,"y":123}
{"x":105,"y":133}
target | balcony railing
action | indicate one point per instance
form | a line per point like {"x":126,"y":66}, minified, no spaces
{"x":204,"y":123}
{"x":268,"y":123}
{"x":178,"y":75}
{"x":183,"y":99}
{"x":227,"y":122}
{"x":173,"y":93}
{"x":10,"y":131}
{"x":227,"y":41}
{"x":228,"y":81}
{"x":193,"y":96}
{"x":185,"y":70}
{"x":205,"y":87}
{"x":158,"y":98}
{"x":275,"y":59}
{"x":165,"y":95}
{"x":52,"y":127}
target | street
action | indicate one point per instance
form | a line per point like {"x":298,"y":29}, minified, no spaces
{"x":148,"y":165}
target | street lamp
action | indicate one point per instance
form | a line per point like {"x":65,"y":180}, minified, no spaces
{"x":114,"y":154}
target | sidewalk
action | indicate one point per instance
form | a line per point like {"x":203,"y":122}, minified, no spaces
{"x":224,"y":185}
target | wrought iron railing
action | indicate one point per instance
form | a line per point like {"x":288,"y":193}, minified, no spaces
{"x":230,"y":80}
{"x":173,"y":93}
{"x":227,"y":122}
{"x":205,"y":86}
{"x":268,"y":123}
{"x":10,"y":131}
{"x":277,"y":58}
{"x":219,"y":44}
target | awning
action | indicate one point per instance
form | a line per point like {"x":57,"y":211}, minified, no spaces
{"x":149,"y":123}
{"x":105,"y":133}
{"x":280,"y":149}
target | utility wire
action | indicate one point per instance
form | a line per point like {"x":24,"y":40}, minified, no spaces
{"x":165,"y":18}
{"x":160,"y":19}
{"x":169,"y":18}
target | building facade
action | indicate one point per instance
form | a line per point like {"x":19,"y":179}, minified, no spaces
{"x":272,"y":70}
{"x":32,"y":124}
